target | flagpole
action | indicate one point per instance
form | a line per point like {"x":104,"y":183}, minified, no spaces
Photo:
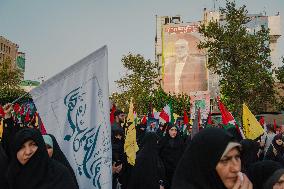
{"x":20,"y":97}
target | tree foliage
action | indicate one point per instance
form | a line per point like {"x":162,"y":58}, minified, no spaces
{"x":180,"y":102}
{"x":140,"y":83}
{"x":10,"y":78}
{"x":280,"y":72}
{"x":241,"y":59}
{"x":280,"y":85}
{"x":137,"y":83}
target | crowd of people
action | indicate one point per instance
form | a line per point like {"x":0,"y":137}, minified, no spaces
{"x":214,"y":158}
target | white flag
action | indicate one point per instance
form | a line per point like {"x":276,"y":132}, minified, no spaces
{"x":74,"y":107}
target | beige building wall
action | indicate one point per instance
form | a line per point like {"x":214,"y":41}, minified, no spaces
{"x":8,"y":49}
{"x":275,"y":32}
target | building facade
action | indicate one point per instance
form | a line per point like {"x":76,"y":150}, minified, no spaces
{"x":182,"y":65}
{"x":8,"y":49}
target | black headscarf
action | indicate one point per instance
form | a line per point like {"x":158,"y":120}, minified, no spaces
{"x":197,"y":167}
{"x":59,"y":156}
{"x":140,"y":133}
{"x":279,"y":148}
{"x":171,"y":150}
{"x":271,"y":155}
{"x":148,"y":169}
{"x":273,"y":179}
{"x":249,"y":153}
{"x":259,"y":172}
{"x":40,"y":172}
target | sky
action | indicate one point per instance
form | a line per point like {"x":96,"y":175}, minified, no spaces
{"x":55,"y":34}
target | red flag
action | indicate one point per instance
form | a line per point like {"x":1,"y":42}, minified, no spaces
{"x":2,"y":113}
{"x":22,"y":110}
{"x":261,"y":121}
{"x":112,"y":118}
{"x":27,"y":117}
{"x":275,"y":125}
{"x":227,"y":117}
{"x":17,"y":108}
{"x":185,"y":117}
{"x":144,"y":120}
{"x":209,"y":119}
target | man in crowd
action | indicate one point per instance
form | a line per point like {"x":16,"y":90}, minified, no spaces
{"x":119,"y":117}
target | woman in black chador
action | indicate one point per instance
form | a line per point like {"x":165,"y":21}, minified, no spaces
{"x":31,"y":167}
{"x":211,"y":161}
{"x":275,"y":151}
{"x":171,"y":150}
{"x":148,"y":172}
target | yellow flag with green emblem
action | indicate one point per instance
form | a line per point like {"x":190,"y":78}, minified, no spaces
{"x":130,"y":145}
{"x":252,"y":127}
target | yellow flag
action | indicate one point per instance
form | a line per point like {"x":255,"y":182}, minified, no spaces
{"x":176,"y":116}
{"x":252,"y":127}
{"x":130,"y":145}
{"x":1,"y":128}
{"x":190,"y":122}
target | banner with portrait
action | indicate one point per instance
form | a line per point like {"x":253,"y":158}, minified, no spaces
{"x":184,"y":65}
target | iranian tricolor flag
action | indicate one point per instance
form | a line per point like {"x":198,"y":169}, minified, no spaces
{"x":166,"y":113}
{"x":228,"y":118}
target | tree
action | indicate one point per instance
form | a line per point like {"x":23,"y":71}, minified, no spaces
{"x":10,"y":78}
{"x":280,"y":86}
{"x":241,"y":59}
{"x":280,"y":72}
{"x":139,"y":82}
